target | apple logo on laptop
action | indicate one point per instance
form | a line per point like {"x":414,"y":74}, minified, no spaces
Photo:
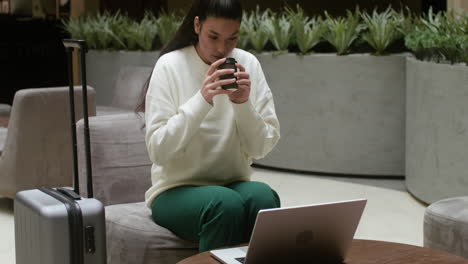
{"x":305,"y":238}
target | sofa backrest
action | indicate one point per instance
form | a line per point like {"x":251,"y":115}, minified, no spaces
{"x":129,"y":85}
{"x":121,"y":166}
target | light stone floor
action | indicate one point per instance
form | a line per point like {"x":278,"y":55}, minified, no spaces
{"x":391,"y":213}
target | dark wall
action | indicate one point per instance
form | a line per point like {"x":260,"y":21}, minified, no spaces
{"x":336,"y":7}
{"x":437,"y":5}
{"x":134,"y":8}
{"x":31,"y":55}
{"x":137,"y":8}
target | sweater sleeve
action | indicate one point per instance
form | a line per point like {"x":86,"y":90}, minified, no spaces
{"x":256,"y":120}
{"x":169,"y":127}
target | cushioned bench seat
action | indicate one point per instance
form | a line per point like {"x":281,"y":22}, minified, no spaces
{"x":133,"y":237}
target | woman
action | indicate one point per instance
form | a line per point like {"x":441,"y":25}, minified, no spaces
{"x":202,"y":139}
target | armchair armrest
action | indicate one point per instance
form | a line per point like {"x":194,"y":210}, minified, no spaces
{"x":120,"y":164}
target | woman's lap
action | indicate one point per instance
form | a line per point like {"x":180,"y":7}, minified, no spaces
{"x":212,"y":214}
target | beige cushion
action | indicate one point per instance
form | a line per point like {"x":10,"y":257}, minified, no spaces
{"x":127,"y":92}
{"x":103,"y":110}
{"x":129,"y":85}
{"x":133,"y":238}
{"x":446,"y":226}
{"x":120,"y":163}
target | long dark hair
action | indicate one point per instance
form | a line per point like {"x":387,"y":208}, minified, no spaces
{"x":186,"y":36}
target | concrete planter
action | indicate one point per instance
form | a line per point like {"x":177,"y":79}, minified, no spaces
{"x":102,"y":68}
{"x":436,"y":130}
{"x":338,"y":114}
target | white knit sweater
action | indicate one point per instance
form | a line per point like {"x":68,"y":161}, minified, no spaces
{"x":191,"y":142}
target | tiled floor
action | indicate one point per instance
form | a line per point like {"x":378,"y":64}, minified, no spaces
{"x":391,"y":213}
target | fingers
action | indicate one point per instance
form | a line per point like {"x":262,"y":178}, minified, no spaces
{"x":242,"y":75}
{"x":241,"y":95}
{"x":245,"y":82}
{"x":214,"y":66}
{"x":219,"y":83}
{"x":240,"y":67}
{"x":214,"y":76}
{"x":220,"y":91}
{"x":215,"y":92}
{"x":243,"y":78}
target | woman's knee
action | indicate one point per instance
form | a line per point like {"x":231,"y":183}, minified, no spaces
{"x":259,"y":193}
{"x":225,"y":203}
{"x":265,"y":196}
{"x":189,"y":211}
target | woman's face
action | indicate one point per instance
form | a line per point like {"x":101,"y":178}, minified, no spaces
{"x":217,"y":37}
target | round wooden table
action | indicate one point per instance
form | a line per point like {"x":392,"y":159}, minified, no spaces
{"x":372,"y":251}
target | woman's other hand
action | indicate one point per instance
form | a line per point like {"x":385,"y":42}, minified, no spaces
{"x":241,"y":95}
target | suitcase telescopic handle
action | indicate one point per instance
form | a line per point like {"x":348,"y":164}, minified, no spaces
{"x":76,"y":44}
{"x":80,"y":45}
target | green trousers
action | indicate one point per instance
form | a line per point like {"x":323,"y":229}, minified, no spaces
{"x":213,"y":216}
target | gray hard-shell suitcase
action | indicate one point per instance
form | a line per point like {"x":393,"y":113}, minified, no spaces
{"x":56,"y":225}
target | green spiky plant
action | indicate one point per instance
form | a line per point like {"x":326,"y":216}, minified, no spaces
{"x":407,"y":21}
{"x":148,"y":31}
{"x":113,"y":32}
{"x":341,"y":32}
{"x":98,"y":31}
{"x":167,"y":25}
{"x":307,"y":32}
{"x":381,"y":30}
{"x":422,"y":44}
{"x":243,"y":42}
{"x":119,"y":32}
{"x":279,"y":32}
{"x":255,"y":27}
{"x":440,"y":37}
{"x":438,"y":47}
{"x":74,"y":27}
{"x":127,"y":32}
{"x":139,"y":35}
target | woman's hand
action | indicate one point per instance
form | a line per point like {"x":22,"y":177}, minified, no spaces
{"x":241,"y":95}
{"x":212,"y":81}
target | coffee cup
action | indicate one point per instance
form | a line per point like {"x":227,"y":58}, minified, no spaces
{"x":230,"y":63}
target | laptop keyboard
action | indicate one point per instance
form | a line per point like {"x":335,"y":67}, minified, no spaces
{"x":241,"y":260}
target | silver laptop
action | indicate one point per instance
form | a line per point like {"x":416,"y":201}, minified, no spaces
{"x":317,"y":233}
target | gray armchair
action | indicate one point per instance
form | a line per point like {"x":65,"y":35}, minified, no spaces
{"x":37,"y":150}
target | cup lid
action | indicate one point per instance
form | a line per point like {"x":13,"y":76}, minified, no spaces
{"x":230,"y":60}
